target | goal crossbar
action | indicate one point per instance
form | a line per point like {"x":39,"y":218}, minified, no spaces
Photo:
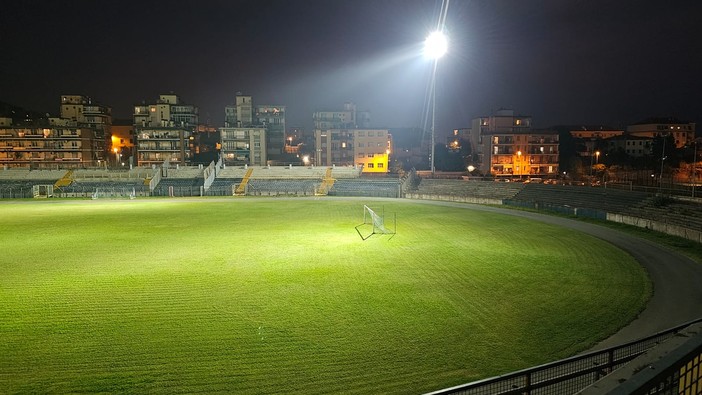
{"x":376,"y":222}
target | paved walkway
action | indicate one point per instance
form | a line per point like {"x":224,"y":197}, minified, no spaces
{"x":677,"y":280}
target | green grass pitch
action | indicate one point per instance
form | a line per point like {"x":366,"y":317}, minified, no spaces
{"x":282,"y":295}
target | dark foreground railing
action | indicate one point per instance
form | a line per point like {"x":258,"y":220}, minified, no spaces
{"x":567,"y":376}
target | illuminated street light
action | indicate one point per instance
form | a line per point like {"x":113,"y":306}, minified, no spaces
{"x":519,"y":160}
{"x":435,"y":46}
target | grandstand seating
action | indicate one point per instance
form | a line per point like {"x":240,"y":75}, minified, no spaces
{"x":478,"y":189}
{"x":301,"y":180}
{"x":185,"y":172}
{"x":299,"y":187}
{"x":599,"y":198}
{"x":372,"y":187}
{"x":179,"y":187}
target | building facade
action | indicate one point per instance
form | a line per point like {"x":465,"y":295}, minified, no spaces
{"x":366,"y":148}
{"x":505,"y":145}
{"x":682,"y":132}
{"x":243,"y":146}
{"x":244,"y":114}
{"x":85,"y":113}
{"x":62,"y":145}
{"x":78,"y":138}
{"x":372,"y":149}
{"x":272,"y":118}
{"x":344,"y":138}
{"x":163,"y":130}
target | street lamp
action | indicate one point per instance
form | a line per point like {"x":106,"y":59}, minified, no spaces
{"x":596,"y":155}
{"x":435,"y":46}
{"x":519,"y":160}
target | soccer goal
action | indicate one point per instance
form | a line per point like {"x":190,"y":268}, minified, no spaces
{"x":43,"y":191}
{"x":374,"y":223}
{"x":113,"y":193}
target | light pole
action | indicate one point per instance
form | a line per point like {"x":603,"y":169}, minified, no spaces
{"x":660,"y":179}
{"x":435,"y":47}
{"x":519,"y":162}
{"x":694,"y":169}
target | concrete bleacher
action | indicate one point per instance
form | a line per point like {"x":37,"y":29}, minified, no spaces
{"x":287,"y":172}
{"x":584,"y":197}
{"x":477,"y":189}
{"x":184,"y":172}
{"x":371,"y":187}
{"x":18,"y":183}
{"x":672,"y":211}
{"x":14,"y":174}
{"x":298,"y":187}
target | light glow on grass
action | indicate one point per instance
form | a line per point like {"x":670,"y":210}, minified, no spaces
{"x":265,"y":295}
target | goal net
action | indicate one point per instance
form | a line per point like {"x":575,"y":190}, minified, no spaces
{"x":113,"y":193}
{"x":374,"y":223}
{"x":42,"y":191}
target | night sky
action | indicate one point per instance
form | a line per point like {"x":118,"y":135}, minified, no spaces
{"x":561,"y":61}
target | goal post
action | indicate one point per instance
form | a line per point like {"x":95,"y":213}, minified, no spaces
{"x":374,"y":223}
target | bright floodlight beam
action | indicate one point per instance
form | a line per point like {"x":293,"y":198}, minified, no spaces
{"x":435,"y":46}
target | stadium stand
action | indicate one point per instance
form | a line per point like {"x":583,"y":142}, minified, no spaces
{"x":372,"y":187}
{"x":18,"y":183}
{"x":297,"y":187}
{"x":479,"y":189}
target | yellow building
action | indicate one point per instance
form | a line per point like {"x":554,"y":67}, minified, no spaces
{"x":372,"y":149}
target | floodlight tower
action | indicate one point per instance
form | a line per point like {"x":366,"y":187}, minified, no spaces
{"x":435,"y":47}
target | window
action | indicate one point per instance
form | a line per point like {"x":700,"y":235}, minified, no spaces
{"x":370,"y":165}
{"x":371,"y":155}
{"x":380,"y":165}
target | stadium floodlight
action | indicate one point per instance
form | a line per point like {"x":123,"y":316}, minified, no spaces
{"x":435,"y":46}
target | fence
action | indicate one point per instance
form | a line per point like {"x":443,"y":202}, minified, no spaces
{"x":566,"y":376}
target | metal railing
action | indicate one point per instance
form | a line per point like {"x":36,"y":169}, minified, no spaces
{"x":566,"y":376}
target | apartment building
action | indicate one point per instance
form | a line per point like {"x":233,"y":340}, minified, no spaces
{"x":163,"y":130}
{"x":682,"y":132}
{"x":243,"y":146}
{"x":64,"y":145}
{"x":344,"y":138}
{"x":78,"y":138}
{"x":368,"y":149}
{"x":505,"y":145}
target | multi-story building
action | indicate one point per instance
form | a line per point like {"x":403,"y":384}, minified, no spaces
{"x":243,"y":114}
{"x":336,"y":139}
{"x":84,"y":112}
{"x":168,"y":111}
{"x":366,"y":148}
{"x":243,"y":146}
{"x":682,"y":132}
{"x":76,"y":139}
{"x":348,"y":118}
{"x":158,"y":144}
{"x":633,"y":146}
{"x":64,"y":144}
{"x":163,"y":130}
{"x":372,"y":149}
{"x":591,"y":139}
{"x":505,"y":145}
{"x":240,"y":114}
{"x":272,"y":118}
